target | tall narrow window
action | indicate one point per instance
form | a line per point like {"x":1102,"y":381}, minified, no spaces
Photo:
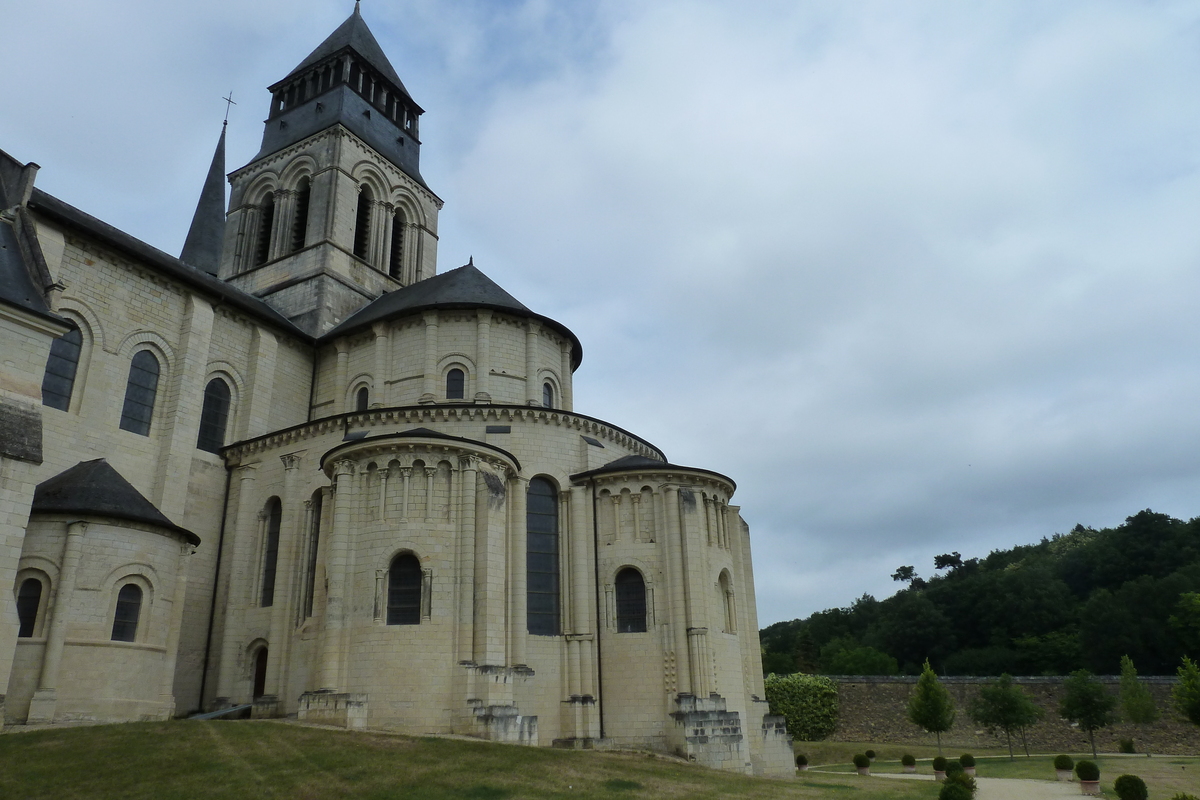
{"x":140,"y":391}
{"x":129,"y":608}
{"x":362,"y":399}
{"x":271,"y":552}
{"x":456,"y":384}
{"x":214,"y":416}
{"x":396,"y":255}
{"x":59,"y":380}
{"x":541,"y":558}
{"x":631,"y":601}
{"x":29,"y":600}
{"x":362,"y":224}
{"x":300,"y":221}
{"x":266,"y":220}
{"x":314,"y":538}
{"x":260,"y":673}
{"x":404,"y":591}
{"x":547,"y":395}
{"x":725,"y":587}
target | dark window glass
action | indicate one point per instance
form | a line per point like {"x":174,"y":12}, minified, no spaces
{"x":59,"y":380}
{"x":271,"y":555}
{"x":362,"y":399}
{"x":362,"y":224}
{"x":300,"y":221}
{"x":396,"y":259}
{"x":541,"y":559}
{"x":404,"y":591}
{"x":547,"y":395}
{"x":140,"y":392}
{"x":125,"y":620}
{"x":456,"y":384}
{"x":266,"y":220}
{"x":631,"y":601}
{"x":29,"y":598}
{"x":214,"y":416}
{"x":260,"y":673}
{"x":313,"y":540}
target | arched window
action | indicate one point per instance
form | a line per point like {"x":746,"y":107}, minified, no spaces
{"x":404,"y":591}
{"x":456,"y":384}
{"x":396,"y":256}
{"x":129,"y":608}
{"x":266,"y":220}
{"x":314,"y":537}
{"x":59,"y":380}
{"x":362,"y":223}
{"x":362,"y":399}
{"x":725,"y":589}
{"x":140,"y":391}
{"x":300,"y":220}
{"x":547,"y":395}
{"x":260,"y":673}
{"x":631,"y":601}
{"x":214,"y":416}
{"x":29,"y":600}
{"x":271,"y":552}
{"x":541,"y":558}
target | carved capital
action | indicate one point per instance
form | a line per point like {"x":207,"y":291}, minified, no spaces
{"x":469,"y":462}
{"x":430,"y":472}
{"x":345,"y":466}
{"x":292,"y":460}
{"x":246,"y":472}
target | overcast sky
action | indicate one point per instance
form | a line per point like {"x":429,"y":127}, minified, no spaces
{"x":919,"y":276}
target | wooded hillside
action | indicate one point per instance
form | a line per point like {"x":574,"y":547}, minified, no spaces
{"x":1081,"y":599}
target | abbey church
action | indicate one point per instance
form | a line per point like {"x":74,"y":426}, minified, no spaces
{"x":300,"y":469}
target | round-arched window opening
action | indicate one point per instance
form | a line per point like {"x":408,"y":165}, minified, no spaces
{"x":456,"y":384}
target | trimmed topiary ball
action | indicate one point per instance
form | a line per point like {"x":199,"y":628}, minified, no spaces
{"x":908,"y":760}
{"x":1087,"y":771}
{"x":967,"y":760}
{"x":953,"y":768}
{"x":1064,"y":762}
{"x":954,"y":791}
{"x":801,"y":760}
{"x":862,"y":761}
{"x":939,"y":764}
{"x":870,"y":754}
{"x":1130,"y":787}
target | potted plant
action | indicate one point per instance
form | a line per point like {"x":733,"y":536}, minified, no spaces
{"x":939,"y":768}
{"x":863,"y":764}
{"x":908,"y":762}
{"x":968,"y":763}
{"x":1063,"y":765}
{"x":1089,"y":777}
{"x":870,"y":754}
{"x":801,"y":762}
{"x":1130,"y":787}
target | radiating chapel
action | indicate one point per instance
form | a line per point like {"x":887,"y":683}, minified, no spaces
{"x":297,"y":468}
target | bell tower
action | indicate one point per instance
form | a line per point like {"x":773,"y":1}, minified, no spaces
{"x":333,"y":211}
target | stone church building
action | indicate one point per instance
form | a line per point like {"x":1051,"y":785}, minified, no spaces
{"x":298,"y":468}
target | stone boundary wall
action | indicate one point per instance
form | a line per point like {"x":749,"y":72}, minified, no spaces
{"x":873,"y":709}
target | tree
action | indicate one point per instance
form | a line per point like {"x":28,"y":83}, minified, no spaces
{"x":1186,"y":693}
{"x":1088,"y":703}
{"x":1136,"y":701}
{"x":1186,"y":621}
{"x":930,"y":705}
{"x":1003,"y":705}
{"x":951,"y":560}
{"x":904,"y":574}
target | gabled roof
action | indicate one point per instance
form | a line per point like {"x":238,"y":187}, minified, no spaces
{"x":202,"y":248}
{"x":355,"y":35}
{"x":465,"y":287}
{"x":95,"y":488}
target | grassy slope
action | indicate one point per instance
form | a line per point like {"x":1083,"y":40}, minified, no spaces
{"x":216,"y":759}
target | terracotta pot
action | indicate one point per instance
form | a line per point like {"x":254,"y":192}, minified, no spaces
{"x":1089,"y":787}
{"x":1063,"y":774}
{"x":970,"y":771}
{"x":802,"y":767}
{"x":911,"y":769}
{"x":864,"y":770}
{"x":939,"y":775}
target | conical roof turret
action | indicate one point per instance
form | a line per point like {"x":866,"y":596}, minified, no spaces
{"x":202,"y":248}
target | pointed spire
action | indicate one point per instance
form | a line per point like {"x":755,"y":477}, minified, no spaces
{"x":355,"y":35}
{"x":202,"y":248}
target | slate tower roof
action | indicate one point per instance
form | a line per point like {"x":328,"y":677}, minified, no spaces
{"x":202,"y":248}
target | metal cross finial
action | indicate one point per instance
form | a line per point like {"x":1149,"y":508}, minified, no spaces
{"x":228,"y":102}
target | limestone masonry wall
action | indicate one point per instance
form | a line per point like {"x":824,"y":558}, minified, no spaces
{"x":872,"y":709}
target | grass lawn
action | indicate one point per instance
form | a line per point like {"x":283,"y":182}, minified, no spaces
{"x":218,"y":759}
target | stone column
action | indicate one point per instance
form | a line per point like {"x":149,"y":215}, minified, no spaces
{"x":579,"y":536}
{"x":568,"y":403}
{"x":382,"y":340}
{"x":533,"y":393}
{"x":167,"y":690}
{"x":335,"y":575}
{"x":490,"y":561}
{"x":245,"y":527}
{"x":45,"y":699}
{"x":281,"y":225}
{"x":465,"y":596}
{"x":342,"y":405}
{"x":678,"y":614}
{"x":429,"y":384}
{"x":285,"y":578}
{"x":518,"y":586}
{"x":258,"y":404}
{"x":483,"y":351}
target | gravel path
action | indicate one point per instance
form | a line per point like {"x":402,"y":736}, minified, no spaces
{"x":1007,"y":788}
